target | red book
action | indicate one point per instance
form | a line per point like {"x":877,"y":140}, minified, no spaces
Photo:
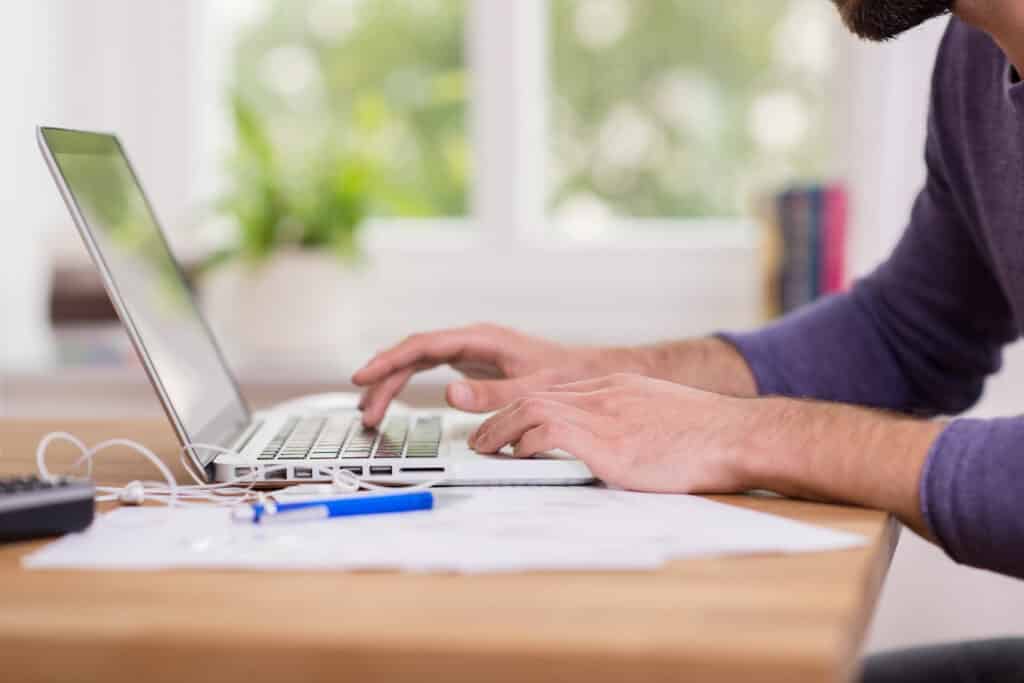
{"x":833,"y":263}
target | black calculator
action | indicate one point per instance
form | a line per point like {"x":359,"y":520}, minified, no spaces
{"x":31,"y":507}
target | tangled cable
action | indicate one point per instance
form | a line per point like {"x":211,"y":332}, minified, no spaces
{"x":169,"y":492}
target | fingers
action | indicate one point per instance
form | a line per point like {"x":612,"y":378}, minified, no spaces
{"x":564,"y":436}
{"x":478,"y":396}
{"x":481,"y":396}
{"x":557,"y":421}
{"x":428,"y":350}
{"x":378,"y":397}
{"x":564,"y":427}
{"x":509,"y":425}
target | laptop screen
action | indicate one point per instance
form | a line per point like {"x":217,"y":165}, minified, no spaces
{"x":144,"y":275}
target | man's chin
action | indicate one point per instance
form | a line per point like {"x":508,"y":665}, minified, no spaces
{"x":885,"y":19}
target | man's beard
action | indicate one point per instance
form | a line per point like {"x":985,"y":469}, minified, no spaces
{"x":885,"y":19}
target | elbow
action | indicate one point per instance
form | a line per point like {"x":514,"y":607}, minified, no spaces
{"x":950,"y":398}
{"x":941,"y":356}
{"x":949,"y":380}
{"x":944,"y":374}
{"x":993,"y":561}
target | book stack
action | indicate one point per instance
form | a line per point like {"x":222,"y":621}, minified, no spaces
{"x":804,"y":246}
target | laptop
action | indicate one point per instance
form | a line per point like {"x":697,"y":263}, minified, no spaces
{"x":296,"y":442}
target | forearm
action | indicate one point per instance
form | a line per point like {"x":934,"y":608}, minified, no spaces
{"x":806,"y":449}
{"x":834,"y":452}
{"x":703,"y":363}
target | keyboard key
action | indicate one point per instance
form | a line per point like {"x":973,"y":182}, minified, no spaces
{"x":360,"y":443}
{"x":329,"y":443}
{"x":392,"y":438}
{"x":273,"y":447}
{"x":324,"y":455}
{"x":425,"y":438}
{"x":302,"y":438}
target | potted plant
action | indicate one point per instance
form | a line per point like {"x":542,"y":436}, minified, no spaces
{"x":285,"y":290}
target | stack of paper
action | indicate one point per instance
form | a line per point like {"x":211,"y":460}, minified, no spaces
{"x":470,"y":530}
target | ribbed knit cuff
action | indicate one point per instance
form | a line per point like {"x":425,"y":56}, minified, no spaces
{"x":762,"y":365}
{"x":972,"y":493}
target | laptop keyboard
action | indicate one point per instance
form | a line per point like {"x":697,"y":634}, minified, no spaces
{"x":332,"y":438}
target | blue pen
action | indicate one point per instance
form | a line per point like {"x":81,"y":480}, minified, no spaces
{"x":306,"y":510}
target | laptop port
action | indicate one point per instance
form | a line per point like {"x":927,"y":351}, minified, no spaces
{"x":242,"y":472}
{"x":422,"y":470}
{"x":303,"y":472}
{"x":278,"y":473}
{"x":354,"y":469}
{"x":380,"y":469}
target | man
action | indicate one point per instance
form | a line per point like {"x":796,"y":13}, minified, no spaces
{"x":915,"y":339}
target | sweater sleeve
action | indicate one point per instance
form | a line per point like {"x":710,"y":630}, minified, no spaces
{"x":919,"y":334}
{"x":972,"y":493}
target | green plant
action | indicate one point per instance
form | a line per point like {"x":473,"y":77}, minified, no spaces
{"x":385,"y":79}
{"x":321,"y":205}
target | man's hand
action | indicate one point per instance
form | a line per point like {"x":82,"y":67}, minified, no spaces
{"x":503,"y":365}
{"x":634,"y":432}
{"x":650,"y":435}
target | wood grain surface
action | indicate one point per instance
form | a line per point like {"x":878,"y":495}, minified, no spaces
{"x":756,"y":618}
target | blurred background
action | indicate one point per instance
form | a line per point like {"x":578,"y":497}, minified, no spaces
{"x":599,"y":171}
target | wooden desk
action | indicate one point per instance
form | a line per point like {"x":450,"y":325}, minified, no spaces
{"x":764,"y":618}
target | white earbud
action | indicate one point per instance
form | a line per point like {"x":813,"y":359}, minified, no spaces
{"x":133,"y":494}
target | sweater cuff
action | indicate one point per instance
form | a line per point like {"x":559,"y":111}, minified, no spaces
{"x":971,"y":490}
{"x":762,"y":364}
{"x":936,"y":486}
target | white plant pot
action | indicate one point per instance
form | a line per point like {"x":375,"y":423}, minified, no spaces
{"x":299,"y":311}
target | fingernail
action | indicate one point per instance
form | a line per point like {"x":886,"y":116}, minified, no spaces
{"x":461,"y":394}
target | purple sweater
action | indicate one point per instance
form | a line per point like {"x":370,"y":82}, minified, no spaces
{"x":922,"y":332}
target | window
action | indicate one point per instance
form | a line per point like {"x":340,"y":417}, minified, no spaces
{"x":554,"y":245}
{"x":683,"y":109}
{"x":382,"y":81}
{"x":650,"y":108}
{"x":606,"y":150}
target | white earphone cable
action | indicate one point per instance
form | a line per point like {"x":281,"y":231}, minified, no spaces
{"x":229,"y":493}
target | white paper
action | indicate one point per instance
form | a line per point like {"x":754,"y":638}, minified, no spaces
{"x":488,"y":529}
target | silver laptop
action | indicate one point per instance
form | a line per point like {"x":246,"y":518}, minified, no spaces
{"x":300,"y":441}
